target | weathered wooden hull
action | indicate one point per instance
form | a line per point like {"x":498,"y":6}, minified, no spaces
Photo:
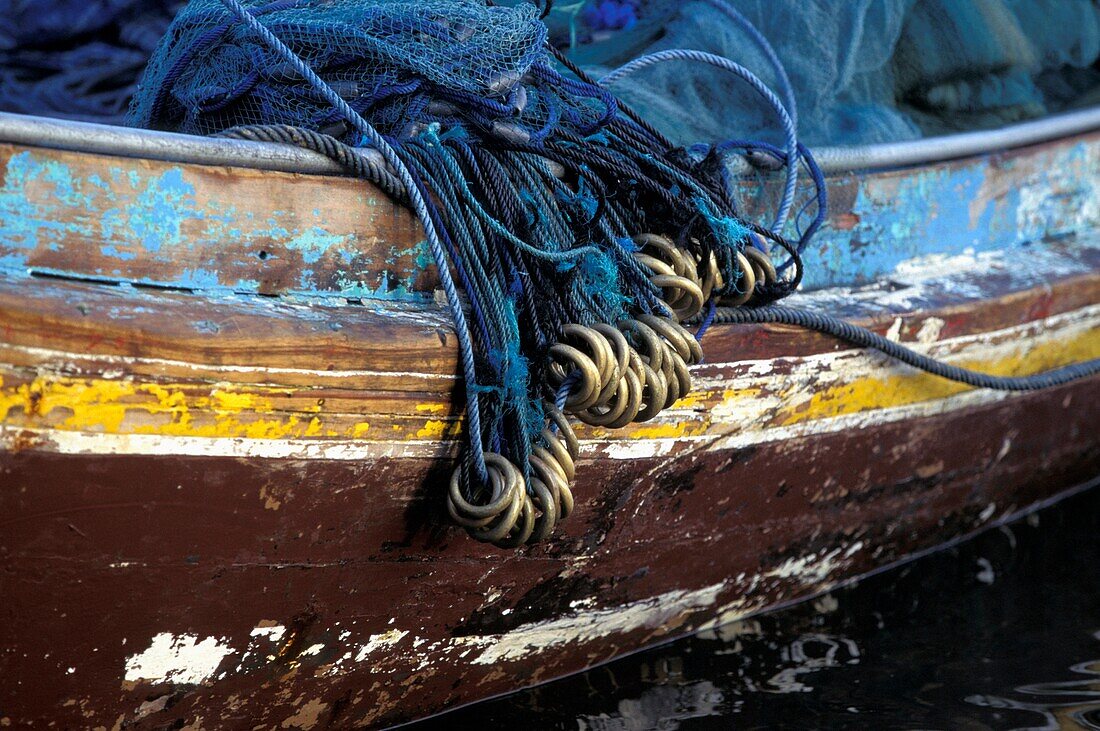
{"x":222,"y":509}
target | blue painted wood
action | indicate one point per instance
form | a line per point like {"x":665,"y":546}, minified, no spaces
{"x":220,"y":230}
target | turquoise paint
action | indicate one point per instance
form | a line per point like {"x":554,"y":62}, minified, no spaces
{"x":25,"y":224}
{"x":206,"y":279}
{"x":13,"y":262}
{"x":164,"y":204}
{"x":951,"y":212}
{"x":109,"y":250}
{"x":315,"y":242}
{"x":898,"y":217}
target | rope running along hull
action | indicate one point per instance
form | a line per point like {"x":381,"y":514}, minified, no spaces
{"x":226,"y":426}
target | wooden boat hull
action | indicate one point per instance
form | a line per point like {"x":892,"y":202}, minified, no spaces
{"x":223,"y":509}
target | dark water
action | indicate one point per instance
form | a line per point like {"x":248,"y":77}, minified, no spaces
{"x":1002,"y":632}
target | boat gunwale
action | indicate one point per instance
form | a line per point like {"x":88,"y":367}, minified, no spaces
{"x":90,"y":137}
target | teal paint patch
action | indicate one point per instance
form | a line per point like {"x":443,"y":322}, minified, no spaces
{"x":111,"y":251}
{"x":162,"y":206}
{"x":13,"y":262}
{"x":34,"y":191}
{"x":125,"y":213}
{"x":199,"y":279}
{"x":316,"y":242}
{"x":952,"y":210}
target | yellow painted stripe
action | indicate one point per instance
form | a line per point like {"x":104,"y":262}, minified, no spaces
{"x":119,"y":406}
{"x":892,"y":390}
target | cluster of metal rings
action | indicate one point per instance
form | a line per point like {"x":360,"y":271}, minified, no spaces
{"x":514,"y":511}
{"x":687,"y":284}
{"x":621,"y":374}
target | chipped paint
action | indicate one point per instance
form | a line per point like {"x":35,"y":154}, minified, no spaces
{"x":180,"y":659}
{"x":810,"y":569}
{"x":165,"y":223}
{"x":815,"y":394}
{"x":590,"y":625}
{"x":378,"y":642}
{"x":930,"y":331}
{"x":170,"y":225}
{"x":623,"y":584}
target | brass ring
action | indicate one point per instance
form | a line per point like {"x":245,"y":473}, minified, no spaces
{"x":748,"y":282}
{"x":519,"y":532}
{"x":653,"y":346}
{"x":762,"y":265}
{"x":683,"y":342}
{"x":504,"y":482}
{"x":565,"y":430}
{"x":501,"y":525}
{"x":682,"y":377}
{"x":558,"y":452}
{"x":671,"y":254}
{"x":599,"y":350}
{"x":621,"y":350}
{"x":687,"y":299}
{"x":565,"y":502}
{"x":654,"y":393}
{"x":546,"y":502}
{"x":553,"y":463}
{"x":587,"y":391}
{"x":621,"y":409}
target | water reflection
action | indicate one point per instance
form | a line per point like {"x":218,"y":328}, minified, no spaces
{"x":1000,"y":633}
{"x":1066,"y":704}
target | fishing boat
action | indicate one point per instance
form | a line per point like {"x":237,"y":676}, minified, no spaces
{"x":230,"y":405}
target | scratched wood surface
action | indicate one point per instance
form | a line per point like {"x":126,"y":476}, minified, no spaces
{"x":220,"y":509}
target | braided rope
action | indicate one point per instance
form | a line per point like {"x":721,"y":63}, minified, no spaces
{"x":415,"y":194}
{"x":865,"y":338}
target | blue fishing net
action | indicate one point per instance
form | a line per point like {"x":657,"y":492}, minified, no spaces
{"x":391,"y":58}
{"x":863,"y":71}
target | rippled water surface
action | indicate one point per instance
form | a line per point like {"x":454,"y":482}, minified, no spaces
{"x":1002,"y":632}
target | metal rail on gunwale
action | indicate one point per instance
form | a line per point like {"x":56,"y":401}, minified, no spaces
{"x":126,"y":142}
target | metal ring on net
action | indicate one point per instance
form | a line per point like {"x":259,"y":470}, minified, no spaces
{"x":762,"y":266}
{"x":545,"y":501}
{"x":621,"y":409}
{"x":586,"y":391}
{"x":492,"y":518}
{"x":747,"y":285}
{"x":521,"y":528}
{"x":711,"y":279}
{"x":598,"y":348}
{"x":682,"y":341}
{"x":628,"y":372}
{"x":648,"y":363}
{"x":621,"y":351}
{"x":675,"y":271}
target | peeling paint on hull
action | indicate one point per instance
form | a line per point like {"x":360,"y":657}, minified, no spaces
{"x":221,"y":510}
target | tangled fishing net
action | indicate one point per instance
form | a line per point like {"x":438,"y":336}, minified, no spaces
{"x":580,"y":237}
{"x":862,"y":71}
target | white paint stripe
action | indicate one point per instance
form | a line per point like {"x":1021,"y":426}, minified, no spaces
{"x":1084,"y":318}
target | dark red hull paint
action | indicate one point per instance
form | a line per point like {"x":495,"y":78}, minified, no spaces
{"x":363,"y":543}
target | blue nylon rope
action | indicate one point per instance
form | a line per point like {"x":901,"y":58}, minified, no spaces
{"x":773,"y":58}
{"x":789,"y":132}
{"x":416,"y":199}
